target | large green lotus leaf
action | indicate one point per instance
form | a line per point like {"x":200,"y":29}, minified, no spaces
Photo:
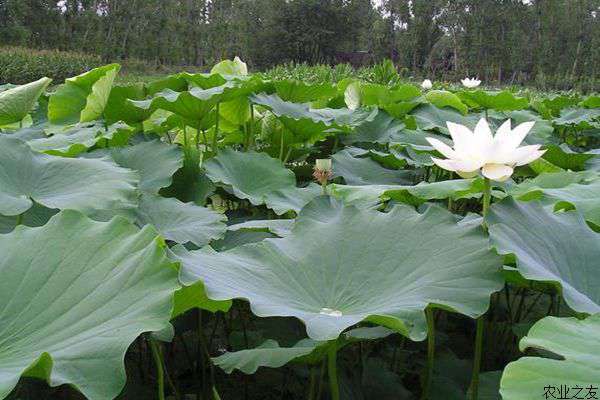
{"x":279,"y":227}
{"x":176,"y":82}
{"x":184,"y":104}
{"x":16,"y":102}
{"x":429,"y":117}
{"x":417,"y":140}
{"x":556,"y":247}
{"x":555,"y":103}
{"x":300,"y":92}
{"x":247,"y":171}
{"x":82,"y":98}
{"x":502,"y":100}
{"x":71,"y":308}
{"x":365,"y":171}
{"x":194,"y":104}
{"x":201,"y":80}
{"x":194,"y":296}
{"x":307,"y":123}
{"x":180,"y":222}
{"x":577,"y":342}
{"x":237,"y":238}
{"x":77,"y":139}
{"x":591,"y":102}
{"x":571,"y":189}
{"x":57,"y":182}
{"x":563,"y":157}
{"x":156,"y":162}
{"x":443,"y":98}
{"x":372,"y":94}
{"x":118,"y":108}
{"x":342,"y":265}
{"x":260,"y":179}
{"x":234,"y":113}
{"x":268,"y":354}
{"x":410,"y":194}
{"x":395,"y":159}
{"x":399,"y":110}
{"x":381,"y":129}
{"x":37,"y":215}
{"x":579,"y":118}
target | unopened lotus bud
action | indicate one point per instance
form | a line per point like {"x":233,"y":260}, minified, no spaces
{"x":323,"y":164}
{"x":323,"y":171}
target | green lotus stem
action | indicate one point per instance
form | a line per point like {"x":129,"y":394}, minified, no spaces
{"x":477,"y":358}
{"x":251,"y":130}
{"x":287,"y":156}
{"x":312,"y":384}
{"x":19,"y":219}
{"x":487,"y":197}
{"x":324,"y":188}
{"x":185,"y":138}
{"x":204,"y":139}
{"x":216,"y":134}
{"x":281,"y":147}
{"x":430,"y":352}
{"x":321,"y":379}
{"x":332,"y":370}
{"x":156,"y":355}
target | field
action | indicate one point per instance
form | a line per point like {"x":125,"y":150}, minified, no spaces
{"x":302,"y":233}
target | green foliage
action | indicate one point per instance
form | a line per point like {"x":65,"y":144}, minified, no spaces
{"x":574,"y":341}
{"x":17,"y":102}
{"x":21,"y":65}
{"x":331,"y":288}
{"x":118,"y":282}
{"x":218,"y":170}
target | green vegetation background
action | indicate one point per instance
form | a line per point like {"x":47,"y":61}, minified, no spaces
{"x":549,"y":44}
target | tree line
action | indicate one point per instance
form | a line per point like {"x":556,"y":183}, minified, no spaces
{"x":504,"y":40}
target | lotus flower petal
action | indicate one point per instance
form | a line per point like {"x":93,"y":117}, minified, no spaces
{"x":517,"y":135}
{"x":530,"y":156}
{"x":484,"y":139}
{"x":470,"y":83}
{"x":503,"y":132}
{"x":462,"y":137}
{"x":457,"y":165}
{"x":497,"y":172}
{"x":442,"y":147}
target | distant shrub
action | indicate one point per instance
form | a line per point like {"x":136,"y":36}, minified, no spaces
{"x":21,"y":65}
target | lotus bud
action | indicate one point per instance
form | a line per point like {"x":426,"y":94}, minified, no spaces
{"x":427,"y":84}
{"x":323,"y":164}
{"x":323,"y":171}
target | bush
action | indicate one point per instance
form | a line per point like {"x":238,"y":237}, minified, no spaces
{"x":21,"y":65}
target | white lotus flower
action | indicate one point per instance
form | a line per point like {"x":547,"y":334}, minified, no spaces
{"x":323,"y":164}
{"x":427,"y":84}
{"x":471,"y":82}
{"x":496,"y":156}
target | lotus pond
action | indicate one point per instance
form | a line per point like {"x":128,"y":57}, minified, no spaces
{"x":228,"y":236}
